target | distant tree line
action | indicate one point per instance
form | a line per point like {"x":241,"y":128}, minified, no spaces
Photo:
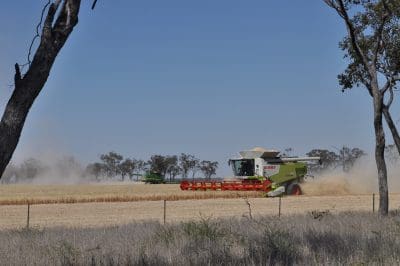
{"x":169,"y":166}
{"x":343,"y":159}
{"x":113,"y":166}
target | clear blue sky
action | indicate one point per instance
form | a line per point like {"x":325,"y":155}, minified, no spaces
{"x":208,"y":78}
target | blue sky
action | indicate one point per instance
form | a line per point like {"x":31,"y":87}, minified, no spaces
{"x":208,"y":78}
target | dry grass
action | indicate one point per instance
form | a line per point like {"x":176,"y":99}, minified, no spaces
{"x":84,"y":193}
{"x":330,"y":239}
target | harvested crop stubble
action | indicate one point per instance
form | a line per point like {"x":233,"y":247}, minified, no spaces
{"x":84,"y":193}
{"x":119,"y":213}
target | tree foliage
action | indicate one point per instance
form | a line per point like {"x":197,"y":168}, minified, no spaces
{"x":161,"y":164}
{"x":111,"y":163}
{"x":96,"y":170}
{"x":349,"y":156}
{"x":127,"y":168}
{"x":330,"y":160}
{"x":173,"y":168}
{"x":188,"y":163}
{"x":208,"y":168}
{"x":378,"y":37}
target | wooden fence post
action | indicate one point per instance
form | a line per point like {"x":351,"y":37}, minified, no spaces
{"x":373,"y":202}
{"x":27,"y":218}
{"x":280,"y":205}
{"x":165,"y":210}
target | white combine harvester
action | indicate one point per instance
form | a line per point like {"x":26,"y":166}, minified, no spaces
{"x":261,"y":170}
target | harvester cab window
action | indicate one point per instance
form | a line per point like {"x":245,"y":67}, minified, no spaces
{"x":243,"y":167}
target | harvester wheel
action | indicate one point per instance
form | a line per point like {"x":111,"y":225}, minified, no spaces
{"x":294,"y":189}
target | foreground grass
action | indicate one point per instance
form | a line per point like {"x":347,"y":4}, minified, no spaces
{"x":312,"y":239}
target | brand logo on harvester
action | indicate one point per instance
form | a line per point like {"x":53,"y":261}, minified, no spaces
{"x":269,"y":167}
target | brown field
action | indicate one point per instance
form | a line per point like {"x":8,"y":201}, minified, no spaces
{"x":117,"y":204}
{"x":112,"y":192}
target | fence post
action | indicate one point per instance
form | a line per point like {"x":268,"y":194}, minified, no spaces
{"x":27,"y":218}
{"x":373,"y":202}
{"x":165,"y":210}
{"x":280,"y":204}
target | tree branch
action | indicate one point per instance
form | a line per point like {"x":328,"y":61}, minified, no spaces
{"x":48,"y":23}
{"x":53,"y":38}
{"x":391,"y":81}
{"x":37,"y":35}
{"x":94,"y":4}
{"x":391,"y":124}
{"x":379,"y":34}
{"x":340,"y":8}
{"x":367,"y":85}
{"x":17,"y":76}
{"x":353,"y":37}
{"x":333,"y":4}
{"x":67,"y":18}
{"x":391,"y":97}
{"x":387,"y":86}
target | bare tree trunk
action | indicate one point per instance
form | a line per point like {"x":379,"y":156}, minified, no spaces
{"x":392,"y":127}
{"x":28,"y":87}
{"x":380,"y":155}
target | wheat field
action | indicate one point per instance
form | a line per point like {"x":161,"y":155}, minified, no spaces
{"x":107,"y":192}
{"x":97,"y":205}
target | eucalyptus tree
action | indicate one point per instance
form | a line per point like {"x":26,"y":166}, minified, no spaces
{"x":208,"y":168}
{"x":371,"y":48}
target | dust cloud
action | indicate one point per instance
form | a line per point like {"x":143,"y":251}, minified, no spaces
{"x":361,"y":179}
{"x":46,"y":169}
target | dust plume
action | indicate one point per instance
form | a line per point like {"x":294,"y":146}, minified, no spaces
{"x":361,"y":179}
{"x":46,"y":169}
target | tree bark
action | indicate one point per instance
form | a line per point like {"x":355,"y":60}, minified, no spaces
{"x":27,"y":87}
{"x":380,"y":155}
{"x":392,"y":127}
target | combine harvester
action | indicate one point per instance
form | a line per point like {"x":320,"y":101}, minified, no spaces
{"x":260,"y":170}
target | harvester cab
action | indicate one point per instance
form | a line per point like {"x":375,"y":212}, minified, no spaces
{"x":263,"y":170}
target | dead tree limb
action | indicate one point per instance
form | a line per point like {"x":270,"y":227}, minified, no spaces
{"x":55,"y":32}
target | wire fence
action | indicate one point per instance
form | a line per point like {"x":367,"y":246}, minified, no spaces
{"x":118,"y":213}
